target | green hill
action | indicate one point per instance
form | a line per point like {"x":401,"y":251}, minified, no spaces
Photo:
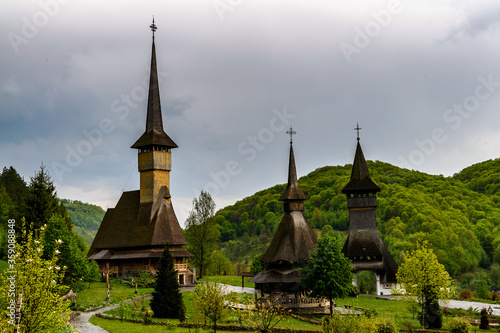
{"x":86,"y":218}
{"x":459,"y":215}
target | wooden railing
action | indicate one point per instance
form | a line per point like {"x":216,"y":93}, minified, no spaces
{"x":292,"y":302}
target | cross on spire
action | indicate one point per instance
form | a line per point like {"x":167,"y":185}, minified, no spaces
{"x":153,"y":27}
{"x":291,"y":132}
{"x":357,"y":128}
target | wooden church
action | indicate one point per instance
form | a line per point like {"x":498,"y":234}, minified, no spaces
{"x":364,"y":246}
{"x":132,"y":236}
{"x":290,"y":248}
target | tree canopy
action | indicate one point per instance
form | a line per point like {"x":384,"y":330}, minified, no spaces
{"x":422,"y":275}
{"x":328,"y":273}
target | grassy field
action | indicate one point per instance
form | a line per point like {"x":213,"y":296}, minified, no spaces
{"x":96,"y":294}
{"x":397,"y":310}
{"x":229,"y":279}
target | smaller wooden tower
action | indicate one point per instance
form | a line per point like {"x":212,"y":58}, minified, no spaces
{"x":364,"y":246}
{"x":294,"y":240}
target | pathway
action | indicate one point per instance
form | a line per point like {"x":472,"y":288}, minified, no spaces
{"x":81,"y":322}
{"x":467,"y":304}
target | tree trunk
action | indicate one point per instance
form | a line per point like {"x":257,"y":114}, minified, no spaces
{"x":331,"y":306}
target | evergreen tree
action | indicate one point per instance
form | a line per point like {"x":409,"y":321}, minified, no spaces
{"x":167,"y":299}
{"x":16,"y":189}
{"x":41,"y":200}
{"x":328,"y":273}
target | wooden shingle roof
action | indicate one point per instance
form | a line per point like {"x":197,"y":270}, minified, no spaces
{"x":154,"y":134}
{"x":134,"y":225}
{"x":360,"y":181}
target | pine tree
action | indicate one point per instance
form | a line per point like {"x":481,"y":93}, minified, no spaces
{"x":167,"y":299}
{"x":41,"y":200}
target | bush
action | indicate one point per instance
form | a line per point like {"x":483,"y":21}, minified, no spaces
{"x":385,"y":325}
{"x":485,"y":321}
{"x":466,"y":294}
{"x":346,"y":324}
{"x":459,"y":325}
{"x":147,"y":317}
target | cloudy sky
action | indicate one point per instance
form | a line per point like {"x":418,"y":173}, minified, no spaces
{"x":422,"y":78}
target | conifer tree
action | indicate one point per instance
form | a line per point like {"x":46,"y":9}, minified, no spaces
{"x":41,"y":200}
{"x":167,"y":299}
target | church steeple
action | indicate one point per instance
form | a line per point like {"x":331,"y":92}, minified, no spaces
{"x":292,"y":193}
{"x":154,"y":134}
{"x":154,"y":145}
{"x":360,"y":183}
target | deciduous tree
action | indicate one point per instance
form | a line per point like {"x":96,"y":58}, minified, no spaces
{"x":202,"y":232}
{"x":211,"y":302}
{"x":40,"y":281}
{"x":328,"y":273}
{"x":421,"y":275}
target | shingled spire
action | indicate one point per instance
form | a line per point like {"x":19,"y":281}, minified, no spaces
{"x":154,"y":134}
{"x":361,"y":182}
{"x":292,"y":192}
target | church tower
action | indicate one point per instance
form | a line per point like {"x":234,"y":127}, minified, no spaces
{"x":294,"y":240}
{"x":132,"y":236}
{"x":154,"y":146}
{"x":364,"y":246}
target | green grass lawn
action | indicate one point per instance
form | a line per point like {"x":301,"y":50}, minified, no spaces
{"x":228,"y":279}
{"x":115,"y":326}
{"x":96,"y":294}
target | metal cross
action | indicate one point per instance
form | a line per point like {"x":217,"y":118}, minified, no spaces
{"x":357,"y":128}
{"x":153,"y":27}
{"x":291,"y":132}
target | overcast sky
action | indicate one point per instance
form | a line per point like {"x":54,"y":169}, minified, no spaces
{"x":422,"y":78}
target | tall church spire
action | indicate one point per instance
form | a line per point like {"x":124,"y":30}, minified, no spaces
{"x":292,"y":192}
{"x":360,"y":182}
{"x":154,"y":134}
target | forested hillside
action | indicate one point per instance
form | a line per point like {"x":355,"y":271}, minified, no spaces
{"x":459,"y":215}
{"x":86,"y":218}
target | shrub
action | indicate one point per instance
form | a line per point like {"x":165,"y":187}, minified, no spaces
{"x":385,"y":325}
{"x":466,"y":294}
{"x":147,"y":317}
{"x":346,"y":324}
{"x":459,"y":325}
{"x":485,"y":322}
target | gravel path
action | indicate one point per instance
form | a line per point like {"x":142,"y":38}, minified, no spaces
{"x":81,"y":322}
{"x":467,"y":304}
